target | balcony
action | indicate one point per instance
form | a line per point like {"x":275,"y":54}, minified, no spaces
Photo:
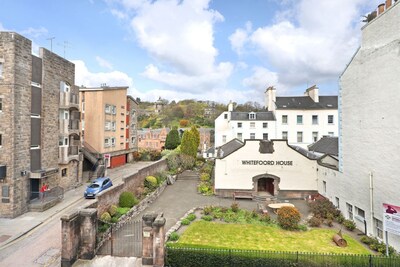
{"x":68,"y":153}
{"x":73,"y":126}
{"x":69,"y":100}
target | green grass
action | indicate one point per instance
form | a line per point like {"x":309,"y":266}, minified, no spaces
{"x":258,"y":237}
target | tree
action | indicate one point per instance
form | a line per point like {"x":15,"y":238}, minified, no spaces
{"x":196,"y":136}
{"x":173,"y":139}
{"x":188,"y":144}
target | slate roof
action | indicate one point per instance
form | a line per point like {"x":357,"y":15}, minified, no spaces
{"x":306,"y":102}
{"x":305,"y":152}
{"x":326,"y":145}
{"x":229,"y":148}
{"x":260,"y":116}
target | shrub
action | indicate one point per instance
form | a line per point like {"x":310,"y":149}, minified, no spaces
{"x":113,"y":210}
{"x":235,"y":207}
{"x":174,"y":236}
{"x":205,"y":188}
{"x":127,"y":200}
{"x":329,"y":222}
{"x":349,"y":224}
{"x":207,"y":168}
{"x":121,"y":211}
{"x":186,"y":162}
{"x":207,"y":218}
{"x":339,"y":218}
{"x":154,"y":155}
{"x":103,"y":227}
{"x":151,"y":182}
{"x":208,"y":210}
{"x":136,"y":156}
{"x":302,"y":227}
{"x":191,"y":217}
{"x":185,"y":222}
{"x":114,"y":219}
{"x":288,"y":218}
{"x":173,"y":161}
{"x":322,"y":208}
{"x":204,"y":177}
{"x":266,"y":218}
{"x":314,"y":222}
{"x":105,"y":217}
{"x":367,"y":240}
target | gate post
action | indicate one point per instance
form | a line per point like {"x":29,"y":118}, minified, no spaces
{"x":159,"y":240}
{"x":88,"y":233}
{"x":147,"y":247}
{"x":70,"y":234}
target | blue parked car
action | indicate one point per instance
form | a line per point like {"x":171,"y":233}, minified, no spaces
{"x":98,"y":185}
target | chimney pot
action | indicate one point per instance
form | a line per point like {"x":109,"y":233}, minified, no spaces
{"x":388,"y":4}
{"x":381,"y":8}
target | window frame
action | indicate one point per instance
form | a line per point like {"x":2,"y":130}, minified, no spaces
{"x":265,"y":135}
{"x":314,"y":119}
{"x":299,"y":134}
{"x":252,"y":125}
{"x":315,"y":138}
{"x":299,"y":119}
{"x":350,"y":211}
{"x":331,"y":118}
{"x":285,"y":119}
{"x":285,"y":133}
{"x":239,"y":136}
{"x":252,"y":136}
{"x":265,"y":125}
{"x":239,"y":125}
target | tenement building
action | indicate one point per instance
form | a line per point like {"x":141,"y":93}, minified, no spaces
{"x":109,"y":119}
{"x":369,"y":133}
{"x":302,"y":120}
{"x":39,"y":129}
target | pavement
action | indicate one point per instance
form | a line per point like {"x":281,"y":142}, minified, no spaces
{"x":12,"y":229}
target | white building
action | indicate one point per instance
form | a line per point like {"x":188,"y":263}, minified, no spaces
{"x":369,"y":139}
{"x":265,"y":169}
{"x":301,"y":120}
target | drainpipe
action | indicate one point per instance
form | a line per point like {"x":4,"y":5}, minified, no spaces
{"x":371,"y":197}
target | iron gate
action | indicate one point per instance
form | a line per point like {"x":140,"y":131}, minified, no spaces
{"x":125,"y":241}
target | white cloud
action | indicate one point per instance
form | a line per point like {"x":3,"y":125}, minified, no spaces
{"x":90,"y":79}
{"x":312,"y":46}
{"x":179,"y":37}
{"x":261,"y":79}
{"x":103,"y":63}
{"x":35,"y":32}
{"x":239,"y":38}
{"x":2,"y":27}
{"x":119,"y":14}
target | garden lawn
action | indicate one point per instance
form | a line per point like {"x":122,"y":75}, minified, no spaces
{"x":257,"y":237}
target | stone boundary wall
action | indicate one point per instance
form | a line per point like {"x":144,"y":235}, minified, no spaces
{"x":130,"y":183}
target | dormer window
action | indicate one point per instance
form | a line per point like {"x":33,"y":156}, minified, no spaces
{"x":252,"y":116}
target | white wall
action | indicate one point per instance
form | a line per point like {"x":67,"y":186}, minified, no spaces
{"x":230,"y":173}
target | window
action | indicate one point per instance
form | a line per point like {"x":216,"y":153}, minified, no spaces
{"x":64,"y":87}
{"x":349,"y":211}
{"x":378,"y":228}
{"x":106,"y":142}
{"x":299,"y":137}
{"x":225,"y":116}
{"x":330,"y":119}
{"x":113,"y":125}
{"x":337,"y":202}
{"x":285,"y":135}
{"x":239,"y":125}
{"x":252,"y":116}
{"x":224,"y":139}
{"x":314,"y":119}
{"x":324,"y":186}
{"x":265,"y":136}
{"x":265,"y":125}
{"x":315,"y":136}
{"x":360,"y":212}
{"x":284,"y":119}
{"x":1,"y":104}
{"x":113,"y":141}
{"x":299,"y":119}
{"x":1,"y":140}
{"x":108,"y":109}
{"x":107,"y":125}
{"x":64,"y":172}
{"x":63,"y":141}
{"x":114,"y":110}
{"x":252,"y":136}
{"x":83,"y":107}
{"x":240,"y":136}
{"x":133,"y":140}
{"x":252,"y":125}
{"x":5,"y":192}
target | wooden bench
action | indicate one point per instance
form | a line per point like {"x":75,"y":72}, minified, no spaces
{"x":242,"y":194}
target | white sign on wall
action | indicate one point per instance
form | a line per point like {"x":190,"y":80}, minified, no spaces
{"x":391,"y":218}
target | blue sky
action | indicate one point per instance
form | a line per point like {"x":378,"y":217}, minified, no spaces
{"x":200,"y":49}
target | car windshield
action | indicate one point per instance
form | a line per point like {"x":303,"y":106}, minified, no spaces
{"x":94,"y":186}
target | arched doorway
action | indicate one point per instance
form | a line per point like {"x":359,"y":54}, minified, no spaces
{"x":265,"y":185}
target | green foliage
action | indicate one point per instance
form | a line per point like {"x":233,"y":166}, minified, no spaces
{"x":235,"y":207}
{"x":188,"y":144}
{"x":204,"y":177}
{"x":174,"y":236}
{"x":196,"y":136}
{"x":103,"y":227}
{"x":377,"y":245}
{"x":289,"y":218}
{"x":208,"y":210}
{"x":207,"y":218}
{"x":113,"y":210}
{"x":114,"y":219}
{"x":127,"y":200}
{"x":185,"y":222}
{"x":324,"y":209}
{"x":173,"y":161}
{"x":302,"y":227}
{"x":339,"y":218}
{"x":349,"y":224}
{"x":106,"y":217}
{"x":191,"y":217}
{"x":173,"y":140}
{"x":186,"y":162}
{"x":122,"y":211}
{"x":314,"y":221}
{"x":205,"y":188}
{"x":152,"y":181}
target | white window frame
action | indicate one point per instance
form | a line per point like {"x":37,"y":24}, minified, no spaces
{"x":300,"y":134}
{"x":314,"y":122}
{"x":349,"y":209}
{"x":224,"y":139}
{"x":378,"y":228}
{"x":283,"y":135}
{"x":114,"y":110}
{"x":331,"y":118}
{"x":113,"y":126}
{"x":301,"y":119}
{"x":264,"y":136}
{"x":252,"y":116}
{"x":284,"y":119}
{"x":252,"y":135}
{"x":252,"y":125}
{"x":108,"y":109}
{"x":107,"y":142}
{"x":239,"y":125}
{"x":107,"y":125}
{"x":112,"y":141}
{"x":337,"y":202}
{"x":240,"y":136}
{"x":265,"y":125}
{"x":314,"y":136}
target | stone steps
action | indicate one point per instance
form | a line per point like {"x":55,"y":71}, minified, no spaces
{"x":188,"y":175}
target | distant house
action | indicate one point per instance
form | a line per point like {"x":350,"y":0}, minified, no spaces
{"x":152,"y":139}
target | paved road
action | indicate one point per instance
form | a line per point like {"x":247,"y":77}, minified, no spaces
{"x":35,"y":237}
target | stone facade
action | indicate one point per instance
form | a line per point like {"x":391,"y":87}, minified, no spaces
{"x":30,"y":93}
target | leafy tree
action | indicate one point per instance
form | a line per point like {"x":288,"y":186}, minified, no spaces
{"x":188,"y":144}
{"x":173,"y":140}
{"x":183,"y":123}
{"x":196,"y":136}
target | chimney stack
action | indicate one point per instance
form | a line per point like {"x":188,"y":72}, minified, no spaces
{"x":270,"y":98}
{"x":381,"y":8}
{"x":230,"y":106}
{"x":388,"y":4}
{"x":313,"y":92}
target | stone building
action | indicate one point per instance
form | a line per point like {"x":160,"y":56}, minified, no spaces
{"x":39,"y":129}
{"x":131,"y":126}
{"x":369,"y":141}
{"x":152,"y":139}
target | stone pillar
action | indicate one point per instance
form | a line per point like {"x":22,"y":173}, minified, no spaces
{"x":88,"y":233}
{"x":159,"y":241}
{"x":70,"y":237}
{"x":147,"y":246}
